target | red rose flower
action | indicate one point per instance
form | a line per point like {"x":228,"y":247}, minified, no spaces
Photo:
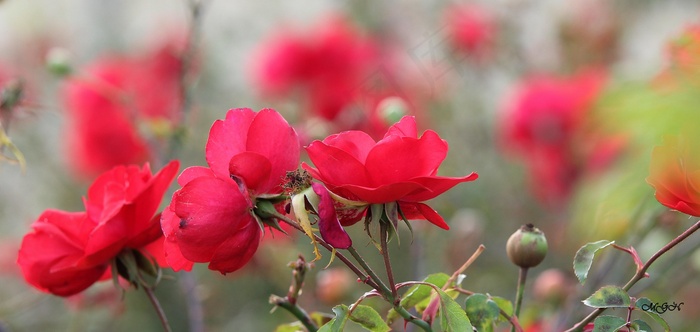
{"x":111,"y":99}
{"x":66,"y":252}
{"x":675,"y":173}
{"x":543,"y":123}
{"x":471,"y":29}
{"x":210,"y":219}
{"x":329,"y":66}
{"x":401,"y":167}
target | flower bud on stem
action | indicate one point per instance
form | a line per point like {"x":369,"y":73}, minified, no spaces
{"x":526,"y":248}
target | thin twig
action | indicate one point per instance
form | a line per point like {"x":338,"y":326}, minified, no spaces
{"x":387,"y":261}
{"x":640,"y":273}
{"x":159,"y":309}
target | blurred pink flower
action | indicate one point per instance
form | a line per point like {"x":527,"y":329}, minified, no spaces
{"x":111,"y":99}
{"x":675,"y":173}
{"x":471,"y":29}
{"x":543,"y":124}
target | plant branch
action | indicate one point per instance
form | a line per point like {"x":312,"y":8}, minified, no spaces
{"x":328,"y":247}
{"x":387,"y":262}
{"x":295,"y":310}
{"x":522,"y":277}
{"x":159,"y":309}
{"x":381,"y":287}
{"x":640,"y":272}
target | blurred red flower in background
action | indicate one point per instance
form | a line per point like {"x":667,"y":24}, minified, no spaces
{"x":66,"y":252}
{"x":211,"y":219}
{"x":340,"y":76}
{"x":545,"y":125}
{"x":675,"y":173}
{"x":471,"y":29}
{"x":112,"y":99}
{"x":401,"y":167}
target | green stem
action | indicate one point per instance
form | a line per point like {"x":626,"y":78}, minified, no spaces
{"x":412,"y":319}
{"x":382,"y":288}
{"x":159,"y":309}
{"x":641,"y":273}
{"x":387,"y":262}
{"x":295,"y":310}
{"x":522,"y":277}
{"x":328,"y":247}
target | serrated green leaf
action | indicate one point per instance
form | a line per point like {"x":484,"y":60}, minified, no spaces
{"x":320,"y":318}
{"x":505,"y":305}
{"x":418,"y":294}
{"x":369,"y":319}
{"x":645,"y":305}
{"x":482,"y":312}
{"x":584,"y":258}
{"x":641,"y":326}
{"x":608,"y":297}
{"x":608,"y":324}
{"x":291,"y":327}
{"x":337,"y":324}
{"x":452,"y":316}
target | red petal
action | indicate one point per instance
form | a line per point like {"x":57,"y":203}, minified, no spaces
{"x":238,"y":249}
{"x":210,"y":210}
{"x":336,"y":166}
{"x":329,"y":225}
{"x":271,"y":136}
{"x":228,"y":138}
{"x":170,"y":223}
{"x":253,"y":168}
{"x":396,"y":159}
{"x":406,"y":127}
{"x":436,"y":185}
{"x":421,"y":211}
{"x":355,"y":143}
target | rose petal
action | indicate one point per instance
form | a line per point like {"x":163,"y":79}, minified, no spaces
{"x":252,"y":167}
{"x":210,"y":210}
{"x":396,"y":159}
{"x":421,"y":211}
{"x":238,"y":248}
{"x":228,"y":138}
{"x":329,"y":225}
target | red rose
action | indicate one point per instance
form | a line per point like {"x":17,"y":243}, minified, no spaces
{"x":114,"y":97}
{"x":675,"y":173}
{"x":401,"y":167}
{"x":545,"y":123}
{"x":66,"y":252}
{"x":210,"y":219}
{"x":471,"y":29}
{"x":329,"y":65}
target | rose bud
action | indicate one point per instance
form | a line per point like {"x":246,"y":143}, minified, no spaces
{"x":527,"y":246}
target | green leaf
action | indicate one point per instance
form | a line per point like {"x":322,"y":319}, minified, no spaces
{"x":291,"y":327}
{"x":584,"y":258}
{"x":608,"y":297}
{"x":608,"y":324}
{"x":646,"y":306}
{"x":452,"y":316}
{"x":482,"y":312}
{"x":369,"y":318}
{"x":505,"y":305}
{"x":320,"y":318}
{"x":417,"y":294}
{"x":641,"y":326}
{"x":336,"y":324}
{"x":364,"y":315}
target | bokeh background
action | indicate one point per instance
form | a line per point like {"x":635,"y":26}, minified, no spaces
{"x":461,"y":68}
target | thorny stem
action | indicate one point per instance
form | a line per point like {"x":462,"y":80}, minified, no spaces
{"x":387,"y":262}
{"x":522,"y":277}
{"x":323,"y":243}
{"x":295,"y":310}
{"x":370,"y":278}
{"x":159,"y":309}
{"x":640,"y":273}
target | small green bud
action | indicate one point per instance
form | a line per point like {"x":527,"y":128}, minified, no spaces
{"x":527,"y":247}
{"x":58,"y":61}
{"x":392,"y":109}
